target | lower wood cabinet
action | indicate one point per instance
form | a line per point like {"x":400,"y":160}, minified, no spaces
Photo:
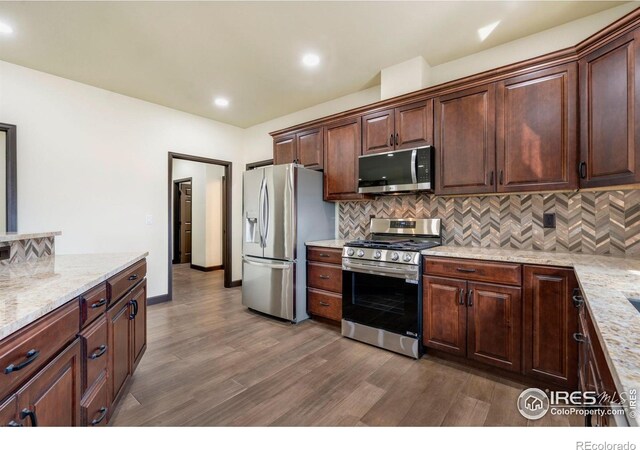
{"x":550,"y":321}
{"x":94,"y":405}
{"x":138,"y":317}
{"x":120,"y":339}
{"x":479,"y":321}
{"x":8,"y":413}
{"x":324,"y":282}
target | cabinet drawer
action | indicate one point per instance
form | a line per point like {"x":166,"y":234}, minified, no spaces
{"x":492,"y":272}
{"x":95,"y":404}
{"x":324,"y":304}
{"x":324,"y":255}
{"x":27,"y":350}
{"x":324,"y":276}
{"x":93,"y":303}
{"x":119,"y":284}
{"x":94,"y":351}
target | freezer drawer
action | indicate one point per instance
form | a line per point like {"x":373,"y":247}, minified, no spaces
{"x":268,"y":286}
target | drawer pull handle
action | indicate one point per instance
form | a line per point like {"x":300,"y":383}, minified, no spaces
{"x":101,"y":351}
{"x":324,"y":255}
{"x":103,"y":414}
{"x":461,"y":302}
{"x":578,"y":301}
{"x":133,"y":277}
{"x":31,"y":414}
{"x":30,"y":357}
{"x":324,"y":277}
{"x":579,"y":337}
{"x":13,"y":423}
{"x":133,"y":314}
{"x":324,"y":304}
{"x":102,"y":302}
{"x":465,"y":270}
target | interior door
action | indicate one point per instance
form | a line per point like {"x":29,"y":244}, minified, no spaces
{"x":268,"y":286}
{"x":252,"y":188}
{"x":279,"y":206}
{"x":184,"y":191}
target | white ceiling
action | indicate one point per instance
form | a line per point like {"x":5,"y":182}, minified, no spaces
{"x":183,"y":54}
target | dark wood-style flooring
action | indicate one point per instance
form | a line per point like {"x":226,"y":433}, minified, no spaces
{"x":212,"y":362}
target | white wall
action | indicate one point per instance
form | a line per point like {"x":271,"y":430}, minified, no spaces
{"x":93,"y":164}
{"x":206,"y":211}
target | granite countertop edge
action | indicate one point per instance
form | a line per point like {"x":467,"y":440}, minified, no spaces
{"x":11,"y":237}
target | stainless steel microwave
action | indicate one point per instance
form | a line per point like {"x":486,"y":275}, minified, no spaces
{"x":399,"y":171}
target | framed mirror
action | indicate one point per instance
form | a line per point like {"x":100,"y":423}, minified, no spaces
{"x":8,"y":179}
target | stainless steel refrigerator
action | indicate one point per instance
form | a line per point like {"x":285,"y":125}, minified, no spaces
{"x":282,"y":209}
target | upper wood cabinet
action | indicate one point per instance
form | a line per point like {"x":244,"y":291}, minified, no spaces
{"x":609,"y":108}
{"x":399,"y":128}
{"x":284,"y":149}
{"x":304,"y":147}
{"x":536,"y":131}
{"x":342,"y":146}
{"x":465,"y":141}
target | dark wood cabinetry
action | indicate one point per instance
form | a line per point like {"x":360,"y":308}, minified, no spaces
{"x":52,"y":396}
{"x":550,"y":320}
{"x":445,"y":314}
{"x":342,"y":146}
{"x":69,"y":367}
{"x":399,"y":128}
{"x":609,"y":108}
{"x":324,"y":282}
{"x":465,"y":141}
{"x":304,"y":147}
{"x":536,"y":131}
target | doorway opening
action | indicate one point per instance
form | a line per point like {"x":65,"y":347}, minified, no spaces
{"x":199,"y":225}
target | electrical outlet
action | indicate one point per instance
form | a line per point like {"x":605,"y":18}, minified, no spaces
{"x":148,"y":219}
{"x":549,"y":220}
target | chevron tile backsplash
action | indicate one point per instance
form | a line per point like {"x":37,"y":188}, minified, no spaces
{"x":29,"y":249}
{"x":605,"y":222}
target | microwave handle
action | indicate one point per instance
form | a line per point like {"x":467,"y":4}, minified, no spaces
{"x":414,"y":169}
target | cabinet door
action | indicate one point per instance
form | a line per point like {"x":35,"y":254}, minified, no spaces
{"x":52,"y":397}
{"x":536,"y":130}
{"x":609,"y":108}
{"x":444,"y":315}
{"x":309,"y":146}
{"x":341,"y":151}
{"x":414,"y":125}
{"x":9,"y":413}
{"x":550,"y":320}
{"x":378,"y":132}
{"x":494,"y":325}
{"x":465,"y":141}
{"x":284,"y":149}
{"x":138,"y":318}
{"x":120,"y":338}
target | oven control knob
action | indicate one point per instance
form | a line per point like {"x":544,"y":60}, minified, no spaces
{"x":407,"y":257}
{"x":360,"y":253}
{"x":395,"y":256}
{"x":377,"y":254}
{"x":350,"y":252}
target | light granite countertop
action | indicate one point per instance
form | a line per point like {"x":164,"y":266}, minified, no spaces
{"x":9,"y":237}
{"x":31,"y":289}
{"x":329,"y":243}
{"x":606,"y":283}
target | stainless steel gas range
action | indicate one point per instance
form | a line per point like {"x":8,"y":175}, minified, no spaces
{"x":382,"y":284}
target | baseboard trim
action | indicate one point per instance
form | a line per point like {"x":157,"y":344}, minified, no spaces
{"x":158,"y":299}
{"x":236,"y":283}
{"x":206,"y":269}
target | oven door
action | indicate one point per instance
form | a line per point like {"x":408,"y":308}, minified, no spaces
{"x":385,"y":300}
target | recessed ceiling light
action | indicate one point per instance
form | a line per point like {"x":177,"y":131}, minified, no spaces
{"x":5,"y":29}
{"x":221,"y":102}
{"x":311,"y":60}
{"x":485,"y":31}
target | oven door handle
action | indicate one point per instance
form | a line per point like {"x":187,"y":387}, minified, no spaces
{"x":410,"y":274}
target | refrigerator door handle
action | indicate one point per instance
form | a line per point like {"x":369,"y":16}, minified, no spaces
{"x":271,"y":265}
{"x":261,"y":214}
{"x":266,"y":212}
